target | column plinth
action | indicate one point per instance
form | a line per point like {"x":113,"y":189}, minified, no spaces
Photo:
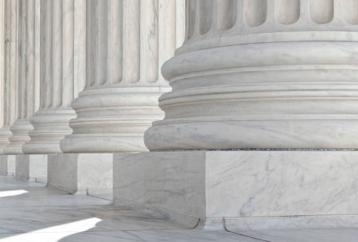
{"x":262,"y":74}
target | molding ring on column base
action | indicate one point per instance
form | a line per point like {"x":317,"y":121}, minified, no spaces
{"x":112,"y":119}
{"x":50,"y":127}
{"x":269,"y":134}
{"x":105,"y":143}
{"x":273,"y":95}
{"x":20,"y":130}
{"x":5,"y":135}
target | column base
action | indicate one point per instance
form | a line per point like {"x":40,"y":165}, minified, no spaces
{"x":90,"y":174}
{"x":241,"y":188}
{"x":112,"y":119}
{"x":50,"y":127}
{"x":286,"y":93}
{"x":20,"y":130}
{"x":5,"y":135}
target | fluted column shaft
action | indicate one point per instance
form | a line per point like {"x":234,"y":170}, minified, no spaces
{"x":27,"y":79}
{"x":9,"y":81}
{"x":263,"y":74}
{"x":61,"y":20}
{"x":4,"y":129}
{"x":127,"y":41}
{"x":2,"y":62}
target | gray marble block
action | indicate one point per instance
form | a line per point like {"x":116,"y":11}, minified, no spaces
{"x":236,"y":186}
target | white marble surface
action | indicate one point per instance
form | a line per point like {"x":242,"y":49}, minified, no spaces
{"x":169,"y":183}
{"x":38,"y":168}
{"x":62,"y":172}
{"x":33,"y":167}
{"x":95,"y":175}
{"x":3,"y":165}
{"x":124,"y":57}
{"x":11,"y":165}
{"x":59,"y":85}
{"x":82,"y":173}
{"x":22,"y":168}
{"x":277,"y":185}
{"x":281,"y":183}
{"x":44,"y":214}
{"x":333,"y":221}
{"x":11,"y":74}
{"x":27,"y":80}
{"x":20,"y":135}
{"x":262,"y":74}
{"x":303,"y":235}
{"x":4,"y":137}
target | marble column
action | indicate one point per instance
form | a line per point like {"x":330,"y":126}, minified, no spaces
{"x":27,"y":71}
{"x":9,"y":70}
{"x":263,"y":74}
{"x":127,"y":41}
{"x":4,"y":131}
{"x":62,"y":26}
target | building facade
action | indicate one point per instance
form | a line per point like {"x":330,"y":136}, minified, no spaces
{"x":236,"y":109}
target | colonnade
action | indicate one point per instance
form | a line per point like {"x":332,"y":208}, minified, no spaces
{"x":271,"y":84}
{"x":83,"y":76}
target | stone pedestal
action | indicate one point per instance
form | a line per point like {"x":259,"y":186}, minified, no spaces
{"x":90,"y":174}
{"x":22,"y":168}
{"x":3,"y":165}
{"x":38,"y":168}
{"x":30,"y":167}
{"x":7,"y":165}
{"x":244,"y":188}
{"x":11,"y":165}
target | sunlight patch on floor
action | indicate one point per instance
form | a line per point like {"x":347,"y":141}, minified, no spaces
{"x":12,"y":193}
{"x":55,"y":233}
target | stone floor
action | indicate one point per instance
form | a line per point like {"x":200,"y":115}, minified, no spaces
{"x":30,"y":212}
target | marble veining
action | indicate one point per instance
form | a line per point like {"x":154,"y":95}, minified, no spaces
{"x":281,"y":183}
